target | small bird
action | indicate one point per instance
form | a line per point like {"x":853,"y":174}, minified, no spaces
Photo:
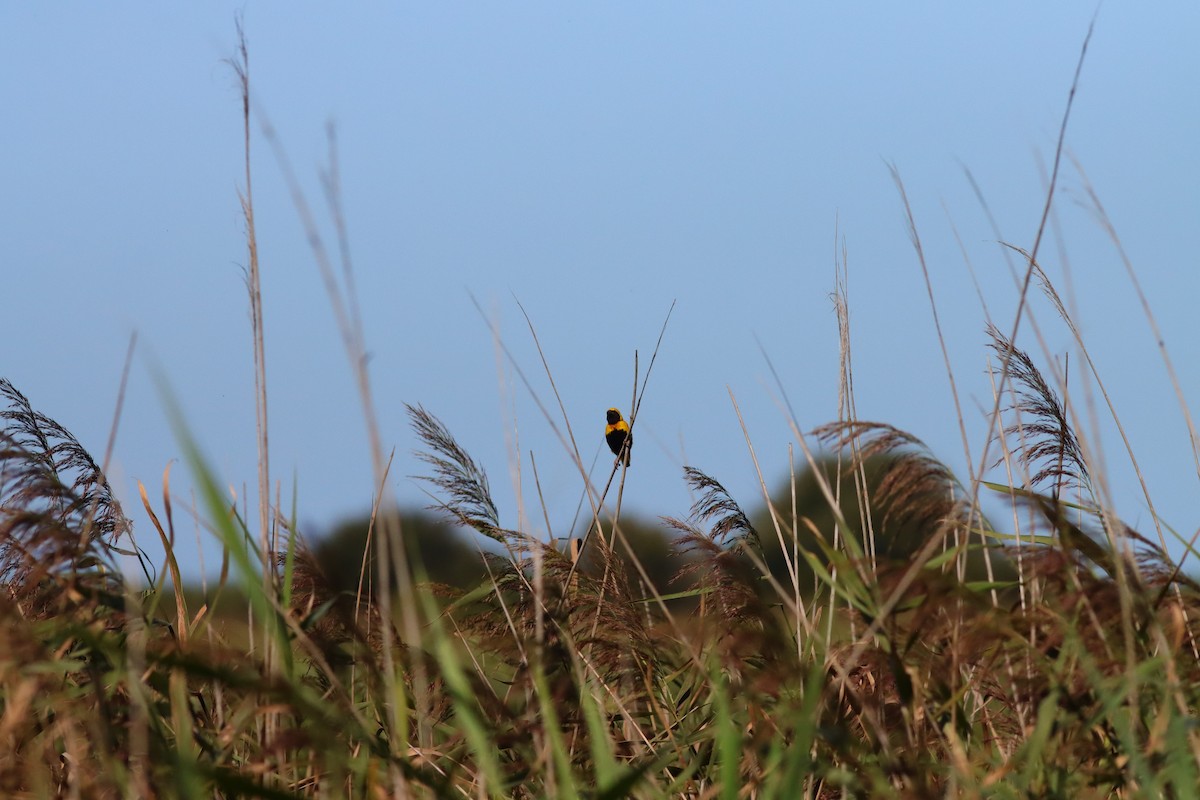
{"x":617,"y":434}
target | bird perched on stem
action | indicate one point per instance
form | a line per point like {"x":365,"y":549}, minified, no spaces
{"x":617,"y":434}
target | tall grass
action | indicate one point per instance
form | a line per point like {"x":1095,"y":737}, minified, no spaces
{"x":552,"y":680}
{"x":1068,"y":667}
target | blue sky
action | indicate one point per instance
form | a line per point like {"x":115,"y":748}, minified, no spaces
{"x":596,"y":163}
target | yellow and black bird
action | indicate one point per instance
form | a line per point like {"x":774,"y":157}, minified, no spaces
{"x":617,"y":434}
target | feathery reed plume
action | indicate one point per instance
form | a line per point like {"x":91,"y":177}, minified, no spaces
{"x":1047,"y":446}
{"x":59,"y":519}
{"x":720,"y":563}
{"x":56,"y":455}
{"x":457,"y":474}
{"x":915,"y":488}
{"x":730,"y":525}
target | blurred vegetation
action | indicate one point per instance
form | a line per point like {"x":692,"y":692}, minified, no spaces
{"x":808,"y":518}
{"x":450,"y":557}
{"x":443,"y":549}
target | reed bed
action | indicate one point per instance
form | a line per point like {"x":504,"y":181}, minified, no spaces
{"x":899,"y":643}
